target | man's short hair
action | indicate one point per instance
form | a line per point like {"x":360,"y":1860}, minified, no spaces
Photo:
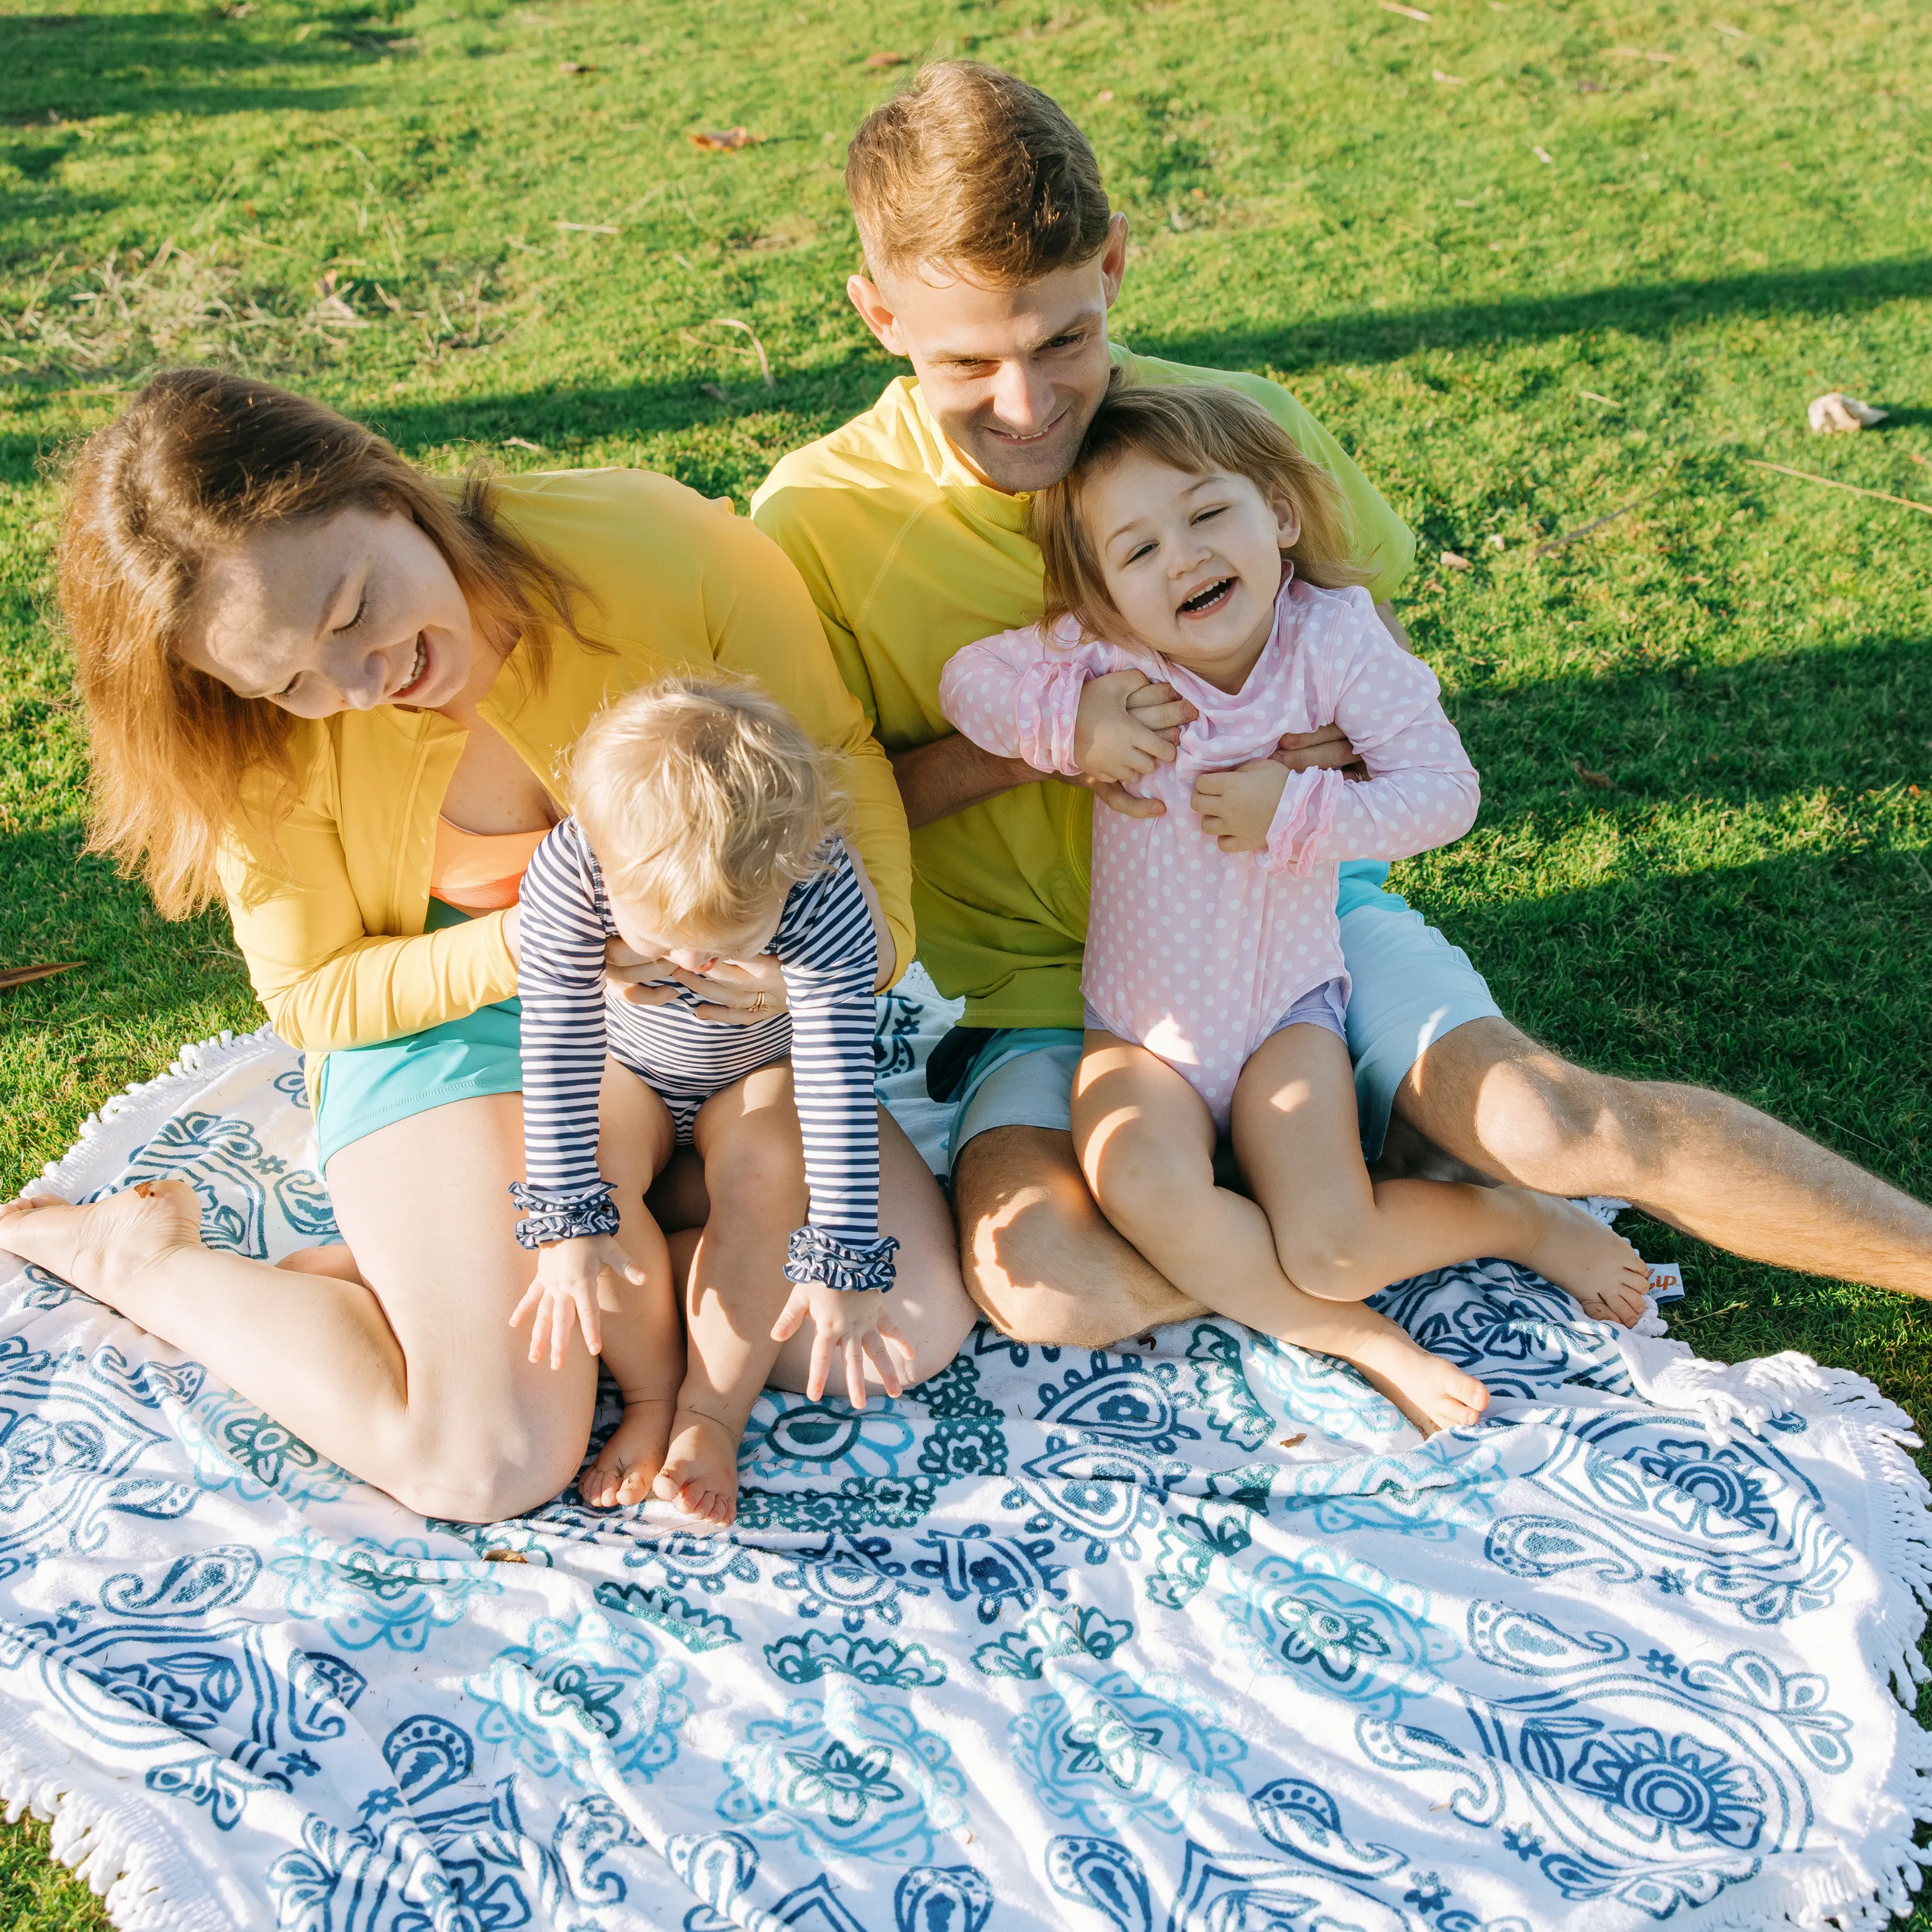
{"x":973,"y":169}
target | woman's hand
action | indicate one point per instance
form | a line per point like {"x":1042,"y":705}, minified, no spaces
{"x":1327,"y":750}
{"x":575,"y":1280}
{"x":735,"y":992}
{"x":852,"y":1324}
{"x":1237,"y":808}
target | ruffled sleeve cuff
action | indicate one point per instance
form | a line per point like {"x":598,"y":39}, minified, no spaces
{"x":816,"y":1255}
{"x":1049,"y":706}
{"x":561,"y":1214}
{"x":1297,"y":839}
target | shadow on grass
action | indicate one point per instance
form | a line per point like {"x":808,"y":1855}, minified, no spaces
{"x":1652,"y":309}
{"x":70,"y":66}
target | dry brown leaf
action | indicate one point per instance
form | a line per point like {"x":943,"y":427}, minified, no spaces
{"x":575,"y":67}
{"x":1449,"y":79}
{"x":522,"y":442}
{"x":1601,"y":780}
{"x":725,"y":140}
{"x":1106,"y":94}
{"x":504,"y":1556}
{"x":886,"y":60}
{"x":1542,"y":154}
{"x":1396,"y":6}
{"x":1454,"y":561}
{"x":1591,"y":87}
{"x":1836,"y":413}
{"x":22,"y":976}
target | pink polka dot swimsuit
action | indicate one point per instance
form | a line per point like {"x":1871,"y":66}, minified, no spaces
{"x":1196,"y":953}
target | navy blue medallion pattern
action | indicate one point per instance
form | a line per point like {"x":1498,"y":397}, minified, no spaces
{"x":1191,"y":1635}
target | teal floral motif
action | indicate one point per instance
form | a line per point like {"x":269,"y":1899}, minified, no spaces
{"x":238,"y":1448}
{"x":1221,"y":1386}
{"x":1044,"y":1634}
{"x":859,"y":1777}
{"x":788,"y":1437}
{"x":1116,"y":1752}
{"x":1319,"y":1393}
{"x":1689,"y":1790}
{"x":1354,"y":1630}
{"x":964,"y":1445}
{"x":1188,"y":1546}
{"x":684,"y":1623}
{"x":584,"y":1697}
{"x":876,"y":1660}
{"x":885,"y":1502}
{"x":366,"y":1593}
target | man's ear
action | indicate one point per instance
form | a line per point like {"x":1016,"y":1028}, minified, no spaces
{"x":877,"y":314}
{"x":1288,"y":522}
{"x":1114,"y":258}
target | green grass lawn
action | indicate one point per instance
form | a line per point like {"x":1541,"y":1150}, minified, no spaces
{"x":1532,"y":262}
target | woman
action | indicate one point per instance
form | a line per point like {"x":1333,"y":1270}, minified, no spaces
{"x":337,"y":694}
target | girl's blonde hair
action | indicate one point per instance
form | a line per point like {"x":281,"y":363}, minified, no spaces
{"x":1194,"y":429}
{"x":705,"y":797}
{"x":199,"y":459}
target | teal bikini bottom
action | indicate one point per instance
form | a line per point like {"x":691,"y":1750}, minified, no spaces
{"x":359,"y":1089}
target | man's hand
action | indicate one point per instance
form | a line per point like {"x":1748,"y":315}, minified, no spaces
{"x":1237,"y":808}
{"x":735,"y":992}
{"x":1328,"y":749}
{"x":575,"y":1280}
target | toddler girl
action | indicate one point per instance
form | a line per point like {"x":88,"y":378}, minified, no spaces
{"x":1200,"y":605}
{"x":703,"y":830}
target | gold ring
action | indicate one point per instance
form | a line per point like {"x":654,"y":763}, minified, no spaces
{"x":758,"y":1003}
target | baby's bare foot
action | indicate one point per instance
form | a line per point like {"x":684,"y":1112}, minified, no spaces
{"x":700,"y":1472}
{"x":628,"y":1464}
{"x":1432,"y":1392}
{"x":1571,"y":1247}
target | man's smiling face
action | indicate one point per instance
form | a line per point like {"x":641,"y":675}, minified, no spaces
{"x":1012,"y":376}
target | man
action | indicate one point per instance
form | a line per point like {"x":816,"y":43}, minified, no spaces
{"x":992,"y":259}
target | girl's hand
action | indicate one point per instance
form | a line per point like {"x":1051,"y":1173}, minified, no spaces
{"x":735,"y":992}
{"x":575,"y":1279}
{"x":1237,"y":808}
{"x":1111,"y":741}
{"x":852,"y":1324}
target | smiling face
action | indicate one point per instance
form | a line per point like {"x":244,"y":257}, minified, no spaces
{"x":1192,"y":563}
{"x":1012,"y":376}
{"x":341,"y":612}
{"x":643,"y":925}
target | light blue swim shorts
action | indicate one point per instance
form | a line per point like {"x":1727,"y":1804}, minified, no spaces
{"x":1408,"y":987}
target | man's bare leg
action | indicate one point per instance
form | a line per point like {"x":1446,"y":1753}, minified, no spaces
{"x":1487,"y":1094}
{"x":1039,"y":1257}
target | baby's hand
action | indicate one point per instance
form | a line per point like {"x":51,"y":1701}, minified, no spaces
{"x":572,"y":1282}
{"x":1111,"y":739}
{"x":852,"y":1323}
{"x":1237,"y":808}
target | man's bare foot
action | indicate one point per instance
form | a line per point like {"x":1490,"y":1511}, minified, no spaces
{"x":628,"y":1464}
{"x":700,"y":1472}
{"x":1570,"y":1246}
{"x":105,"y":1248}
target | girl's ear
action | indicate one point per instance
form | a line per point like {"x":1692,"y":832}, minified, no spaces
{"x":1288,"y":522}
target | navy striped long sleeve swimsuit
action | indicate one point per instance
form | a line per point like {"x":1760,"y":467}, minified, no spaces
{"x":828,"y":950}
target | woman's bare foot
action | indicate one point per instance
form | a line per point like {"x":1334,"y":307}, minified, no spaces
{"x":1571,"y":1247}
{"x":700,"y":1472}
{"x":106,"y":1248}
{"x":628,"y":1464}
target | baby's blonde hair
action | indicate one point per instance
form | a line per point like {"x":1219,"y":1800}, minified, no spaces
{"x":705,"y":797}
{"x":1195,"y":429}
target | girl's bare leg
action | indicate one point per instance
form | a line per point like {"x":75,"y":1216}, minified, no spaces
{"x":644,"y":1336}
{"x":1146,"y":1143}
{"x":755,"y":1175}
{"x":1341,"y":1236}
{"x":416,"y":1382}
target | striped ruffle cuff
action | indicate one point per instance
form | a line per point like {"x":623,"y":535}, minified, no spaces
{"x":562,"y":1215}
{"x":815,"y":1255}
